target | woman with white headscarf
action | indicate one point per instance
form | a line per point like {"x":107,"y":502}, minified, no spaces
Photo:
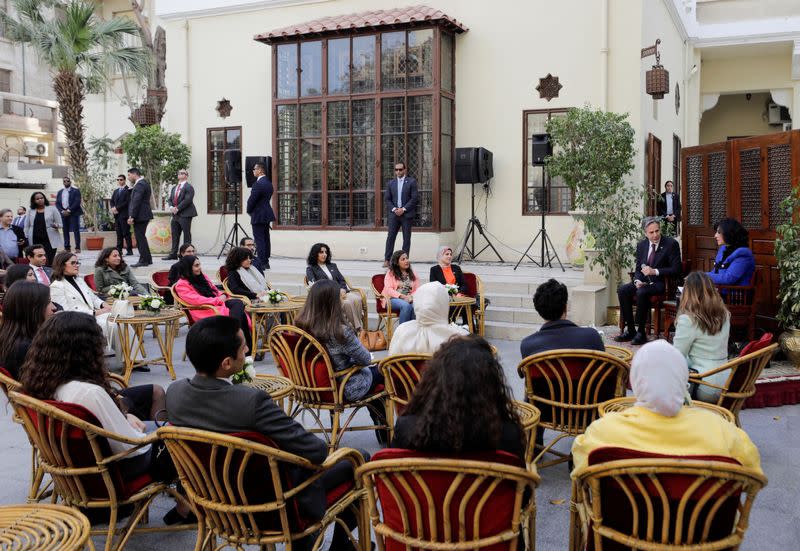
{"x":430,"y":329}
{"x":658,"y":422}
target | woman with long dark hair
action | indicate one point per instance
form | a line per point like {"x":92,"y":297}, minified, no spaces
{"x":18,"y":272}
{"x":42,"y":226}
{"x":734,"y":264}
{"x":196,"y":289}
{"x":399,"y":285}
{"x":110,"y":269}
{"x":320,"y":267}
{"x":26,"y":306}
{"x":461,"y":404}
{"x":243,"y":277}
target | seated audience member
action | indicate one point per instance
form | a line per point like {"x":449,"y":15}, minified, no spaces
{"x":399,"y":286}
{"x":216,"y":348}
{"x":734,"y":264}
{"x":18,"y":272}
{"x":431,"y":328}
{"x":658,"y":422}
{"x":248,"y":243}
{"x":461,"y":404}
{"x":550,"y":301}
{"x":110,"y":269}
{"x":196,"y":289}
{"x":322,"y":317}
{"x":37,"y":258}
{"x":701,"y":331}
{"x":5,"y":262}
{"x":243,"y":277}
{"x":320,"y":267}
{"x":445,"y":272}
{"x":12,"y":238}
{"x":26,"y":306}
{"x":70,"y":291}
{"x":187,"y":249}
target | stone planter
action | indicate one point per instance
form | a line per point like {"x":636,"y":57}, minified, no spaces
{"x":159,"y":234}
{"x":790,"y":345}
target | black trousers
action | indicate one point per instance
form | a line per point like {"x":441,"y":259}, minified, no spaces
{"x":140,"y":231}
{"x":180,"y":225}
{"x":72,"y":225}
{"x":627,"y":294}
{"x":395,"y":223}
{"x":123,"y":229}
{"x":236,"y":310}
{"x":263,"y":245}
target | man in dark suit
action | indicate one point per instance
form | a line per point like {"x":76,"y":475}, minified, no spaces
{"x":669,"y":206}
{"x":259,"y":207}
{"x":181,"y":203}
{"x":216,"y":348}
{"x":550,"y":301}
{"x":120,"y":200}
{"x":400,"y":198}
{"x":37,"y":258}
{"x":140,"y":214}
{"x":68,"y":203}
{"x":657,"y":257}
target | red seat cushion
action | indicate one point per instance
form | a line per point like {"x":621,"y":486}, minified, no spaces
{"x":755,"y":346}
{"x":377,"y":282}
{"x":471,"y":283}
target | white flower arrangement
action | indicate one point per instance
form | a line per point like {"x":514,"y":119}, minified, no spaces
{"x":452,"y":290}
{"x":154,"y":303}
{"x":275,"y":296}
{"x":246,"y":374}
{"x":120,"y":291}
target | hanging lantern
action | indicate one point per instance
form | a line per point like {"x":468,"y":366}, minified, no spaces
{"x":657,"y":82}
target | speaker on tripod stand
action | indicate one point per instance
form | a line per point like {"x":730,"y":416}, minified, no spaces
{"x":233,"y":175}
{"x":474,"y":165}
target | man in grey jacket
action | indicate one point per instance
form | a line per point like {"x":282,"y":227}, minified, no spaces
{"x":181,"y":204}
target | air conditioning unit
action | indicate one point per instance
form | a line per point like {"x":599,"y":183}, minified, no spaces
{"x":777,"y":114}
{"x":36,"y":149}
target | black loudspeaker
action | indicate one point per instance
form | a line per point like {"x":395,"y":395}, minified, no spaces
{"x":540,"y":149}
{"x":250,"y":162}
{"x":233,"y":166}
{"x":473,"y":165}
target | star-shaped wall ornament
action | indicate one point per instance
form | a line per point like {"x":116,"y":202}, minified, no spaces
{"x":548,"y":87}
{"x":224,"y":108}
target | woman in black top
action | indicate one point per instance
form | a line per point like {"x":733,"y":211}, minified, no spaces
{"x":44,"y":215}
{"x":321,"y":267}
{"x":244,"y":278}
{"x":26,"y":306}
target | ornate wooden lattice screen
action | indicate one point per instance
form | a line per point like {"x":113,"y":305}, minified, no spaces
{"x":745,"y":179}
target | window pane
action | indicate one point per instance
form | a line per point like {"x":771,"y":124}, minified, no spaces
{"x":419,"y":63}
{"x":338,"y":118}
{"x":552,"y":195}
{"x":286,"y":161}
{"x":217,"y":139}
{"x":363,"y":162}
{"x":311,"y":68}
{"x":287,"y":121}
{"x":446,"y":164}
{"x":446,"y":219}
{"x":420,"y":154}
{"x":339,"y":66}
{"x":363,"y":64}
{"x":447,"y":116}
{"x":338,"y":164}
{"x":393,"y":61}
{"x":364,"y":117}
{"x":311,"y":119}
{"x":393,"y":116}
{"x":233,"y":139}
{"x":311,"y":164}
{"x":287,"y":209}
{"x":447,"y":62}
{"x":338,"y":209}
{"x":287,"y":71}
{"x":420,"y":114}
{"x":311,"y":209}
{"x":364,"y":209}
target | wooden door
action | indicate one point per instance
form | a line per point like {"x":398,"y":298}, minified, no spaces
{"x":653,"y":179}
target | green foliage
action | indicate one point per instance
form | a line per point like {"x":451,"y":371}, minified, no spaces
{"x":593,"y":152}
{"x":668,"y":228}
{"x":159,"y":155}
{"x":787,"y":254}
{"x":99,"y":182}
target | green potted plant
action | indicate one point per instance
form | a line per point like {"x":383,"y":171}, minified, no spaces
{"x":96,"y":188}
{"x":787,"y":255}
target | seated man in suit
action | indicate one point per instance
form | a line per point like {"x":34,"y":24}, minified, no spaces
{"x":216,"y":348}
{"x":38,"y":261}
{"x":550,"y":301}
{"x":657,"y":257}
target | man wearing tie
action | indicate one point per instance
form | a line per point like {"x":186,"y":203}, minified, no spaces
{"x":120,"y":200}
{"x":140,"y":214}
{"x":261,"y":214}
{"x":657,"y":257}
{"x":68,"y":203}
{"x":401,"y":198}
{"x":19,"y":219}
{"x":181,"y":203}
{"x":37,"y":258}
{"x":669,"y":206}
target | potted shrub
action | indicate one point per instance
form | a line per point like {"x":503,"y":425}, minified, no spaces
{"x":787,"y":255}
{"x":96,"y":188}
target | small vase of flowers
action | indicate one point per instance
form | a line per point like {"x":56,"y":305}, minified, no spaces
{"x":274,"y":296}
{"x":120,"y":291}
{"x":246,"y":374}
{"x":452,"y":290}
{"x":152,"y":303}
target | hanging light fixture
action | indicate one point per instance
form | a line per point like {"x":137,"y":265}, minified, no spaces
{"x":657,"y":78}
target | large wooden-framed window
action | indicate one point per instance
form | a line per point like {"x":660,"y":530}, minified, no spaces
{"x":346,"y":109}
{"x":539,"y":190}
{"x":221,"y":196}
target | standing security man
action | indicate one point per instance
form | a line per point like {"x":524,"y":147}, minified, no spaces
{"x":68,"y":203}
{"x":120,"y":200}
{"x":401,"y":198}
{"x":181,"y":204}
{"x":259,"y":208}
{"x":140,"y":214}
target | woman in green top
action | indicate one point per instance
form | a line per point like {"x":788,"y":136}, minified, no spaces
{"x":110,"y":269}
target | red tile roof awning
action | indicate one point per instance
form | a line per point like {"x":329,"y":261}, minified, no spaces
{"x":413,"y":16}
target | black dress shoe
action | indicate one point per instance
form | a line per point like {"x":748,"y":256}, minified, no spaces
{"x":142,"y":369}
{"x":640,"y":338}
{"x":174,"y":517}
{"x":129,"y":253}
{"x":266,"y":265}
{"x":626,"y":336}
{"x":141,"y":264}
{"x":170,"y":257}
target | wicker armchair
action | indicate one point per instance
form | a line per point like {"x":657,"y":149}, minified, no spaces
{"x":73,"y":449}
{"x":228,"y":292}
{"x":385,"y":314}
{"x":663,"y":504}
{"x":474,"y":501}
{"x":401,"y":374}
{"x":189,"y":308}
{"x":361,"y":292}
{"x":741,"y":382}
{"x":475,"y":289}
{"x":568,"y":386}
{"x":740,"y":301}
{"x":317,"y":387}
{"x":159,"y":282}
{"x":242,"y":492}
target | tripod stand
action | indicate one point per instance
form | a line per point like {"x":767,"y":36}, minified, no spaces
{"x":469,"y":233}
{"x":547,"y":254}
{"x":232,"y":239}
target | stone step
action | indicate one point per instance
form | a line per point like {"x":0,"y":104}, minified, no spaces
{"x":509,"y":331}
{"x":513,"y":315}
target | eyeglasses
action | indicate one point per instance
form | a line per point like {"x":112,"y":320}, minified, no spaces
{"x":74,"y":262}
{"x":399,"y":169}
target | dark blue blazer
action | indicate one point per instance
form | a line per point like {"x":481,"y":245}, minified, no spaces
{"x":139,"y":206}
{"x":259,"y":205}
{"x":409,"y":199}
{"x":557,"y":334}
{"x":74,"y":200}
{"x":120,"y":199}
{"x":737,"y":269}
{"x":667,"y":259}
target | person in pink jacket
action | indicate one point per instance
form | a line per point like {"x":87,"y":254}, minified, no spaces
{"x":399,"y":286}
{"x":195,"y":289}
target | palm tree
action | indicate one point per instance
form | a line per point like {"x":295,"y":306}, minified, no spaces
{"x":83,"y":52}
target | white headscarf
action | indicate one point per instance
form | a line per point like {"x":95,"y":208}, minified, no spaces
{"x":425,"y":334}
{"x":659,"y":375}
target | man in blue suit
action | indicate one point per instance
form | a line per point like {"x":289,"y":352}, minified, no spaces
{"x":400,"y":198}
{"x":259,"y":208}
{"x":68,"y":203}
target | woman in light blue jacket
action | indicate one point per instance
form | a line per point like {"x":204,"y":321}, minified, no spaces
{"x":701,"y":331}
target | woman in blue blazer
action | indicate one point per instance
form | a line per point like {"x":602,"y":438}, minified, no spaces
{"x":734,"y":264}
